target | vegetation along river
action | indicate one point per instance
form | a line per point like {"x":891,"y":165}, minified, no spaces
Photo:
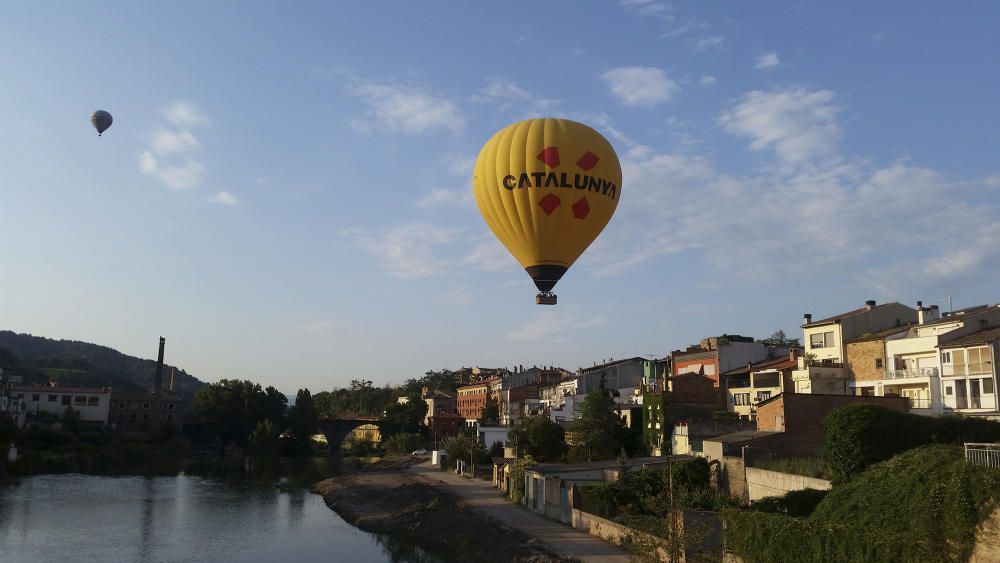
{"x":74,"y":517}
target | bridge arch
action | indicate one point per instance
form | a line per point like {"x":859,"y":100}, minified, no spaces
{"x":336,"y":429}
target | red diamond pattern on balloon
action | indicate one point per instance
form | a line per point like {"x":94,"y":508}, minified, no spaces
{"x":550,"y":156}
{"x":549,"y":203}
{"x":581,"y":208}
{"x":588,"y":160}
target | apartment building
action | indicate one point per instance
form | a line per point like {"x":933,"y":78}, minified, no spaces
{"x":719,"y":354}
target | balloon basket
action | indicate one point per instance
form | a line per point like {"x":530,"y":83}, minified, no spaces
{"x":545,"y":298}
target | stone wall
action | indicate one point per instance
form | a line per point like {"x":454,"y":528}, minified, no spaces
{"x":762,"y":483}
{"x":861,"y":358}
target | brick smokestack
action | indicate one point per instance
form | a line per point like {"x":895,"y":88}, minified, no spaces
{"x":158,"y":380}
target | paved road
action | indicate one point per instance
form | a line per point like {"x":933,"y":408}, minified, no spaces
{"x":562,"y":539}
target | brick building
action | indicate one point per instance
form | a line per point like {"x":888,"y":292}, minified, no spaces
{"x":722,"y":353}
{"x":686,"y":397}
{"x":472,"y":398}
{"x":866,"y":361}
{"x":800,"y":416}
{"x":137,"y":411}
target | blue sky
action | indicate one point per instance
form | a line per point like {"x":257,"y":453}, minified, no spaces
{"x":285,"y":192}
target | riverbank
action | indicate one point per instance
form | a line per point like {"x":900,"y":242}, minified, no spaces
{"x":401,"y":505}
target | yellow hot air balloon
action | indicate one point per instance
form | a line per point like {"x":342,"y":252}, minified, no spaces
{"x":547,"y":187}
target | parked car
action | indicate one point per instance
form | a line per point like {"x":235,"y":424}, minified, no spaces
{"x":421,"y":451}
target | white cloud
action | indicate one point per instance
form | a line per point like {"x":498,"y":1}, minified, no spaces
{"x":640,"y":86}
{"x":182,"y":174}
{"x":490,"y":256}
{"x":798,"y":124}
{"x":225,"y":198}
{"x":442,"y":197}
{"x":405,"y":108}
{"x":645,"y":7}
{"x":408,"y":251}
{"x":184,"y":114}
{"x":552,"y":321}
{"x":459,"y":165}
{"x":172,"y":153}
{"x":505,"y":94}
{"x":710,"y":42}
{"x":707,"y":80}
{"x":767,"y":61}
{"x":164,"y":142}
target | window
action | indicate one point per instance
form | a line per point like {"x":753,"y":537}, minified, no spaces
{"x":987,"y":386}
{"x":131,"y":417}
{"x":36,"y":397}
{"x":52,"y":398}
{"x":145,"y":416}
{"x":763,"y":395}
{"x":145,"y":405}
{"x":121,"y":405}
{"x":93,"y":401}
{"x":741,"y":399}
{"x":878,"y":363}
{"x":980,"y":360}
{"x":66,"y":400}
{"x":948,"y":390}
{"x":822,"y":340}
{"x":80,"y":400}
{"x":134,"y":404}
{"x":170,"y":416}
{"x":121,"y":416}
{"x":945,"y":357}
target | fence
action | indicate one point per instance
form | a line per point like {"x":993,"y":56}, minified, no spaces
{"x":987,"y":455}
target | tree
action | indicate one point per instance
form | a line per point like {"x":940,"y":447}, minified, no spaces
{"x":263,"y":441}
{"x":402,"y":443}
{"x":303,"y":420}
{"x":779,"y":339}
{"x":236,"y":407}
{"x":598,"y":427}
{"x":539,"y":437}
{"x":491,"y":413}
{"x":404,"y":417}
{"x":70,"y":421}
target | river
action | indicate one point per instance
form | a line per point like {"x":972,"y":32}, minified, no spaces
{"x":89,"y":518}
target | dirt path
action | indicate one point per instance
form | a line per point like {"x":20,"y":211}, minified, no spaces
{"x":482,"y":497}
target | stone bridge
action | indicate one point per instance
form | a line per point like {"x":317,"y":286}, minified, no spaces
{"x":336,"y":429}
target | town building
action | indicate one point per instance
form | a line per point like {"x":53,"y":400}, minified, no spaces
{"x":132,"y":411}
{"x":620,"y":375}
{"x":445,"y":424}
{"x":753,"y":383}
{"x":11,"y":407}
{"x":470,"y":400}
{"x":799,"y":417}
{"x":866,"y":361}
{"x":90,"y":403}
{"x":688,"y":396}
{"x":822,"y":368}
{"x":719,"y":354}
{"x":438,"y":402}
{"x":914,"y":359}
{"x":969,"y":373}
{"x":489,"y":435}
{"x":516,"y":401}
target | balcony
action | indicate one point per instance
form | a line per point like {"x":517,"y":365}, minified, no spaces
{"x":908,"y":373}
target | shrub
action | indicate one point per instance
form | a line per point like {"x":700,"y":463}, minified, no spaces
{"x":402,"y":443}
{"x":860,"y":435}
{"x":795,"y":503}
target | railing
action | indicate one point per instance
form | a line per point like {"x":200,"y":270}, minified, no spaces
{"x":904,"y":373}
{"x":822,"y":364}
{"x":918,"y":403}
{"x":987,"y":455}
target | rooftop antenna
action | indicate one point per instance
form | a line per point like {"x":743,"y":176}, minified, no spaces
{"x":947,"y":300}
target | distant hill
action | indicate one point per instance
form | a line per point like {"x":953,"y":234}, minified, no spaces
{"x":70,"y":362}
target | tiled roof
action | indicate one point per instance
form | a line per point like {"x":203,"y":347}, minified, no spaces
{"x":51,"y":389}
{"x":878,"y":335}
{"x":773,"y":363}
{"x":842,"y":316}
{"x":982,"y":337}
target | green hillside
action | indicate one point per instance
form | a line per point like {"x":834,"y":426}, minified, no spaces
{"x":922,"y":505}
{"x":71,"y":362}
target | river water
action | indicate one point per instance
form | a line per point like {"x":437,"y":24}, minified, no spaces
{"x":184,"y":518}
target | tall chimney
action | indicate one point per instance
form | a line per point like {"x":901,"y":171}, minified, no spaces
{"x":158,"y":381}
{"x":173,"y":372}
{"x":807,"y":318}
{"x":870,"y":304}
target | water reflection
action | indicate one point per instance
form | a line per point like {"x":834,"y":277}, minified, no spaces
{"x":182,"y":518}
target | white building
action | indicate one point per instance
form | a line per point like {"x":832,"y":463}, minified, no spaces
{"x":969,"y":373}
{"x":92,"y":404}
{"x":822,"y":368}
{"x":915,"y":359}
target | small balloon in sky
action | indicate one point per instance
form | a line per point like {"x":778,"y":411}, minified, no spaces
{"x":101,"y":121}
{"x":546,"y":188}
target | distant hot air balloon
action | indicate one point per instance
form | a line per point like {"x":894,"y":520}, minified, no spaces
{"x":101,"y":121}
{"x":547,"y":187}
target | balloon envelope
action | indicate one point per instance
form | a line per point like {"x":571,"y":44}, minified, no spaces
{"x":547,"y":187}
{"x":101,"y":120}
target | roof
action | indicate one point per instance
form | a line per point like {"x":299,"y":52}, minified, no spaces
{"x":742,"y":436}
{"x":143,"y":396}
{"x":773,"y":363}
{"x":848,"y":314}
{"x":549,"y":468}
{"x":58,"y":389}
{"x":880,"y":334}
{"x":610,"y":364}
{"x":502,"y":461}
{"x":981,"y":337}
{"x":961,"y":314}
